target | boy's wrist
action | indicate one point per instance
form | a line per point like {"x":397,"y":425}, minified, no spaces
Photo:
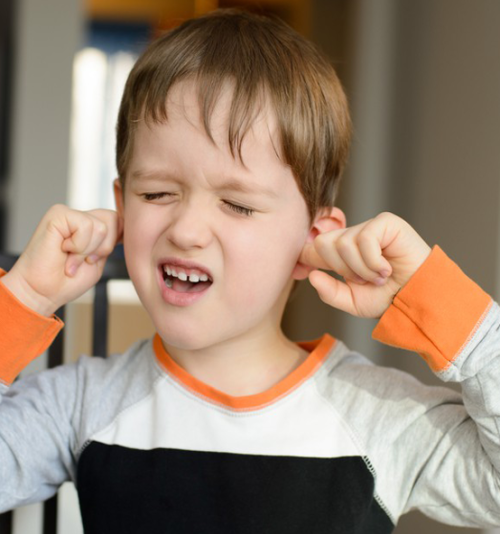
{"x":22,"y":291}
{"x":435,"y":313}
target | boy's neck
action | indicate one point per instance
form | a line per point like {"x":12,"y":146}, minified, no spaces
{"x":244,"y":367}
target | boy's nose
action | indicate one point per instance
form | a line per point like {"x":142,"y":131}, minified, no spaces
{"x":189,"y":227}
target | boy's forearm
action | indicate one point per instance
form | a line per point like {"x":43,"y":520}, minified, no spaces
{"x":455,"y":326}
{"x":24,"y":334}
{"x":435,"y":314}
{"x":19,"y":288}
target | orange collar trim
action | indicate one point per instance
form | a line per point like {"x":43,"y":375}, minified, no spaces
{"x":318,"y":349}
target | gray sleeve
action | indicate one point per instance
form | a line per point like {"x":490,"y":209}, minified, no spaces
{"x":446,"y":446}
{"x":460,"y":481}
{"x":47,"y":419}
{"x":430,"y":448}
{"x":37,"y":435}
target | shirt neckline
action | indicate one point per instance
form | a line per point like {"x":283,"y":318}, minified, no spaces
{"x":318,"y":350}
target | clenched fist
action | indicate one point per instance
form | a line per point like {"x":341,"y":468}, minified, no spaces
{"x":375,"y":258}
{"x":64,"y":258}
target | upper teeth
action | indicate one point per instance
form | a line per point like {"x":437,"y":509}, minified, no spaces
{"x":181,"y":274}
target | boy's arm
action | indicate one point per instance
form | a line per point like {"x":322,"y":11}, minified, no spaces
{"x":36,"y":412}
{"x":437,"y":314}
{"x":455,"y":327}
{"x":24,"y":334}
{"x":445,"y":456}
{"x":64,"y":258}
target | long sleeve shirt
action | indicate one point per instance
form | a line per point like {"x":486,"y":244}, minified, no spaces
{"x":338,"y":446}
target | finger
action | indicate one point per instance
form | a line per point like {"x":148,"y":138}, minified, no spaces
{"x":348,"y":248}
{"x":87,"y":233}
{"x":114,"y":234}
{"x":73,"y":263}
{"x":370,"y":242}
{"x":111,"y":219}
{"x":311,"y":258}
{"x":333,"y":292}
{"x":327,"y":246}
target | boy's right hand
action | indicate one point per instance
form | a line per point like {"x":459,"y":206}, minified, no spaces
{"x":64,"y":258}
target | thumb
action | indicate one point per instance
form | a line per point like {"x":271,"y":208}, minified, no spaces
{"x":310,"y":257}
{"x":333,"y":292}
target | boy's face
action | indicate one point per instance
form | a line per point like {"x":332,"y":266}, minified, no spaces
{"x":189,"y":205}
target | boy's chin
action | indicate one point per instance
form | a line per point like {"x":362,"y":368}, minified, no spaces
{"x":194,"y":340}
{"x":188,"y":341}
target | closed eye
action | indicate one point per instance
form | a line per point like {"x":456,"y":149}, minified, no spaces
{"x":239,"y":209}
{"x":154,"y":196}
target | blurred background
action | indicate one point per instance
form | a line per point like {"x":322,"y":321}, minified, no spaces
{"x":423,"y":80}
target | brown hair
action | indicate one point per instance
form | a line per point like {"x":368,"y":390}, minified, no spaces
{"x":259,"y":56}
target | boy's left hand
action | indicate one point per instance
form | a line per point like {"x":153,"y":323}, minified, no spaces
{"x":375,"y":258}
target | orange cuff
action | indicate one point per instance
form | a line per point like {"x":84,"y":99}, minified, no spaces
{"x":25,"y":334}
{"x":436,"y":313}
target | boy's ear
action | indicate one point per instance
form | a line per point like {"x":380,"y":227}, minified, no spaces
{"x":118,"y":191}
{"x":326,"y":220}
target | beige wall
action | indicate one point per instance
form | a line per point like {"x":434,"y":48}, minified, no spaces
{"x":128,"y":323}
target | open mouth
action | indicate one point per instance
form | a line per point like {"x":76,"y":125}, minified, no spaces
{"x":184,"y":280}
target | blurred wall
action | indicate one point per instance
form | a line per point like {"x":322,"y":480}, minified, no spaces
{"x":48,"y":34}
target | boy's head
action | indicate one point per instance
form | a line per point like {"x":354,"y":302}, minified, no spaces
{"x":232,"y":135}
{"x":260,"y":59}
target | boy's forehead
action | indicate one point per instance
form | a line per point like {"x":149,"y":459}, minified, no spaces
{"x":180,"y":146}
{"x":183,"y":103}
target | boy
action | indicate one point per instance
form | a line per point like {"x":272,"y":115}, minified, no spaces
{"x":232,"y":136}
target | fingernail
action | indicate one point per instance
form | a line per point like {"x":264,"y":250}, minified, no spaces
{"x":72,"y":270}
{"x":380,"y":281}
{"x":92,"y":258}
{"x":384,"y":273}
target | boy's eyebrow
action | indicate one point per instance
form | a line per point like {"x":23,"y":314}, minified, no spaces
{"x":229,"y":185}
{"x":151,"y":175}
{"x":242,"y":187}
